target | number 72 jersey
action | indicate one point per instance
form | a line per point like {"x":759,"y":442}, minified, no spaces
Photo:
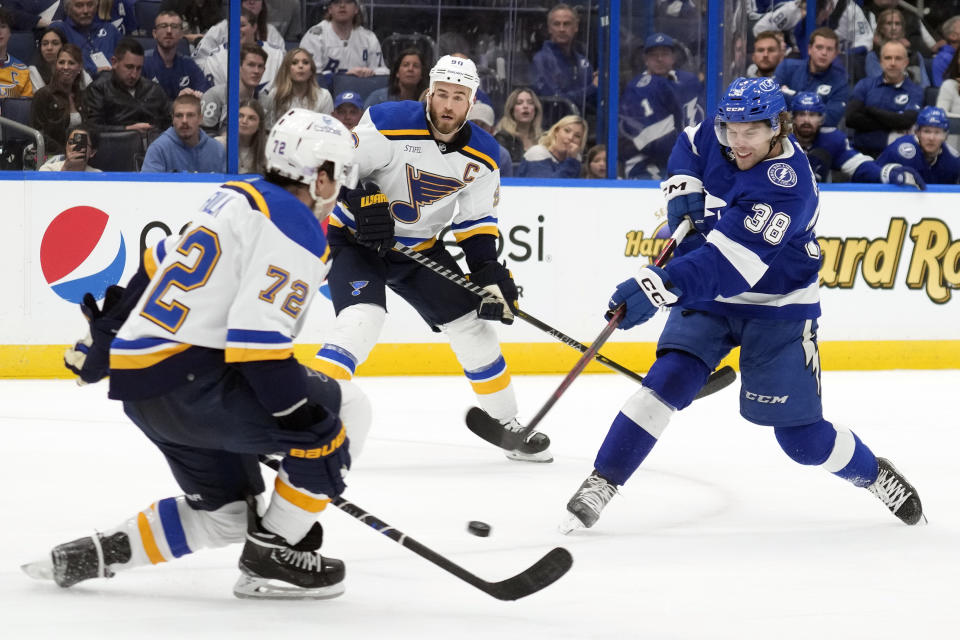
{"x":233,"y":287}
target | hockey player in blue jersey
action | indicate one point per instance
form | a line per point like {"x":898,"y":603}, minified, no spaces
{"x":200,"y":349}
{"x":926,"y":151}
{"x":747,"y":278}
{"x":828,"y":149}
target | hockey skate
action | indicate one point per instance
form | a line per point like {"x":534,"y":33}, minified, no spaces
{"x":82,"y":559}
{"x":583,"y":509}
{"x":533,"y":448}
{"x":271,"y":569}
{"x":896,"y":493}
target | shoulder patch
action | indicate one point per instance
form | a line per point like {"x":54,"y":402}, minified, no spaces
{"x":906,"y":150}
{"x":782,"y":174}
{"x":644,"y":80}
{"x":901,"y":99}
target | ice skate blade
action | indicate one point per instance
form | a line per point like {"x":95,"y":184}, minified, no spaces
{"x":39,"y":570}
{"x":520,"y":456}
{"x":570,"y":524}
{"x":256,"y":588}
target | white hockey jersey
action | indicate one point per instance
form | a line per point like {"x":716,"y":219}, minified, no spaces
{"x":333,"y":55}
{"x":233,"y":287}
{"x":214,"y":66}
{"x":429,"y":184}
{"x":216,"y":36}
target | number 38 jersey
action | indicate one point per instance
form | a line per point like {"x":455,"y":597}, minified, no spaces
{"x":233,"y":287}
{"x":761,"y":259}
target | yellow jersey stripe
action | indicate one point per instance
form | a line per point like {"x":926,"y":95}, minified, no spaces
{"x":242,"y":354}
{"x":404,"y":132}
{"x":144,"y":360}
{"x":423,"y":246}
{"x":489,"y":230}
{"x":253,"y":193}
{"x":332,"y":369}
{"x":482,"y":156}
{"x":146,"y":537}
{"x":149,"y":262}
{"x":298,"y":498}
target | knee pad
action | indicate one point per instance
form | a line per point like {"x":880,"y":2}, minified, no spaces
{"x":817,"y":444}
{"x":676,"y":377}
{"x":474,"y":341}
{"x":354,"y":335}
{"x":356,"y":414}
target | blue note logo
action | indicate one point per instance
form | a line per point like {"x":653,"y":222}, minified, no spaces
{"x":782,"y":174}
{"x":423,"y":188}
{"x":357,"y":286}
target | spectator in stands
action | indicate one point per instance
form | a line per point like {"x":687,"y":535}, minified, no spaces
{"x":885,"y":107}
{"x":595,"y":165}
{"x":927,"y":150}
{"x":198,"y":15}
{"x":82,"y":143}
{"x":853,"y":32}
{"x":890,"y":27}
{"x":44,"y":61}
{"x":120,"y":14}
{"x":30,"y":15}
{"x":252,"y":122}
{"x":253,"y":60}
{"x":951,"y":35}
{"x":408,"y":79}
{"x":818,"y":74}
{"x":348,"y":109}
{"x":215,"y":66}
{"x":96,"y":38}
{"x":915,"y":34}
{"x":341,"y":44}
{"x":296,"y":86}
{"x":285,"y":16}
{"x":481,"y":114}
{"x":184,"y":146}
{"x":558,"y":68}
{"x":216,"y":36}
{"x":828,"y":149}
{"x":936,"y":14}
{"x":558,"y":153}
{"x":521,"y":126}
{"x":123,"y":99}
{"x":949,"y":97}
{"x":14,"y":75}
{"x":768,"y":50}
{"x":174,"y":72}
{"x":59,"y":105}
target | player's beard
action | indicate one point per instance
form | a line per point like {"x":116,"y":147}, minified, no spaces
{"x":441,"y":126}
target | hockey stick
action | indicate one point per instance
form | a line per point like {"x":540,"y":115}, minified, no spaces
{"x":682,"y":229}
{"x":719,"y":379}
{"x":539,"y":575}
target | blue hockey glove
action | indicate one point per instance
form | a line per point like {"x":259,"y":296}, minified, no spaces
{"x":497,"y":279}
{"x":643,"y":295}
{"x":89,"y":358}
{"x":685,"y":198}
{"x":371,"y":212}
{"x":316,"y":449}
{"x":902,"y":176}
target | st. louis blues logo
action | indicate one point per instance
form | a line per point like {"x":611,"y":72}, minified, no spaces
{"x":424,"y":188}
{"x":357,"y":285}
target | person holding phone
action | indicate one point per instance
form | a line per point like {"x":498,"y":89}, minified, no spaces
{"x":82,"y":141}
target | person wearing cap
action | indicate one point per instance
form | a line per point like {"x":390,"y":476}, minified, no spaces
{"x":828,"y":149}
{"x":558,"y":69}
{"x":347,"y":108}
{"x":927,"y":150}
{"x":424,"y":167}
{"x":655,"y":106}
{"x":481,"y":114}
{"x":818,"y":74}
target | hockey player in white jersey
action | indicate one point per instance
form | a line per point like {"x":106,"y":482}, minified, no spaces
{"x":434,"y":168}
{"x":747,"y":278}
{"x":203,"y":362}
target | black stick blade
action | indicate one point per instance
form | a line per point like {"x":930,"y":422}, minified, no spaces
{"x":719,"y":379}
{"x":540,"y":575}
{"x":490,"y":430}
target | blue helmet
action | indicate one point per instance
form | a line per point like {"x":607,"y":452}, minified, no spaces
{"x":933,"y":117}
{"x":752,"y":100}
{"x":808,"y":101}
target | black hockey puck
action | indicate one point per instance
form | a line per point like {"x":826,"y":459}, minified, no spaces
{"x":477,"y":528}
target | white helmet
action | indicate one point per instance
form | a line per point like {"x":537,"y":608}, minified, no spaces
{"x":302,"y":140}
{"x":461,"y":71}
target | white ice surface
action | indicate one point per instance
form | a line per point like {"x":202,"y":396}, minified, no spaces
{"x":719,"y":535}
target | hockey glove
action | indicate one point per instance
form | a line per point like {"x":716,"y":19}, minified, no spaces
{"x":89,"y":358}
{"x":316,"y":449}
{"x":499,"y":305}
{"x":902,"y":176}
{"x":685,"y":198}
{"x":643,"y":295}
{"x":371,"y":212}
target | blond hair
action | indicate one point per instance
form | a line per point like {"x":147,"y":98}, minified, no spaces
{"x":283,"y":87}
{"x":550,"y":136}
{"x":508,"y":125}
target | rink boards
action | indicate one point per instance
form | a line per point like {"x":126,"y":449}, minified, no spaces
{"x":889,"y":280}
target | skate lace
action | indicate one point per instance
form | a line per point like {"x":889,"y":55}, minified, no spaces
{"x":890,"y":490}
{"x":307,"y":560}
{"x":596,"y":492}
{"x":512,"y":425}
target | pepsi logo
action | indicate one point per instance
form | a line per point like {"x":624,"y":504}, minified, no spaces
{"x":82,"y":251}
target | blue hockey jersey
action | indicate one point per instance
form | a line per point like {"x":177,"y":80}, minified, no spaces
{"x":761,"y":260}
{"x":906,"y":151}
{"x":831,"y":85}
{"x":831,"y":150}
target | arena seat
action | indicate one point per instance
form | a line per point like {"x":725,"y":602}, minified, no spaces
{"x":363,"y":86}
{"x":119,"y":151}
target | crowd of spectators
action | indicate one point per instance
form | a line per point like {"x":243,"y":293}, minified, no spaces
{"x":873,"y":66}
